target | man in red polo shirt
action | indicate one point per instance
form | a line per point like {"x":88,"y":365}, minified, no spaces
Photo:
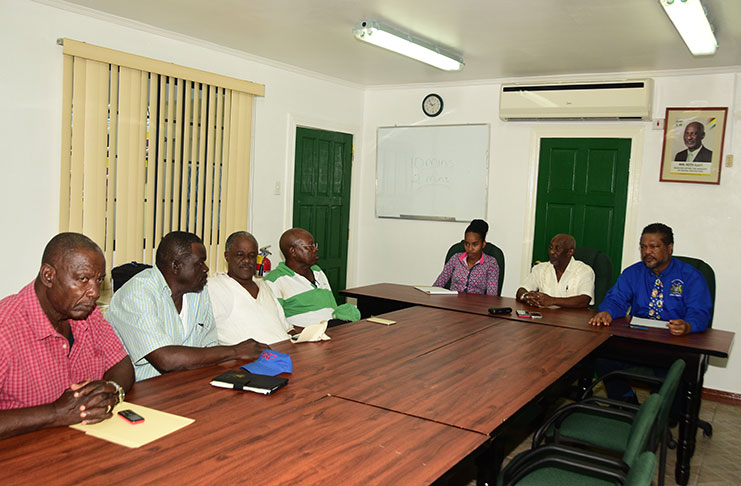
{"x":60,"y":361}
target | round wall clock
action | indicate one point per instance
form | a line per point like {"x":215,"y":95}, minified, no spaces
{"x":432,"y":105}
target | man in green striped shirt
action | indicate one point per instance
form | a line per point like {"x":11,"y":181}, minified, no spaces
{"x":302,"y":287}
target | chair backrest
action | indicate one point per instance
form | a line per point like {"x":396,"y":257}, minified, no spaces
{"x":602,"y":266}
{"x":122,"y":273}
{"x":668,"y":391}
{"x":643,"y":426}
{"x":707,"y":272}
{"x":490,"y":249}
{"x":643,"y":470}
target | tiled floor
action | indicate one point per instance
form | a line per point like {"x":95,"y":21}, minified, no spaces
{"x":717,"y":460}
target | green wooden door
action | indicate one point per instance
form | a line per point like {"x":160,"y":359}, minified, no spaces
{"x":582,"y":191}
{"x":321,"y":197}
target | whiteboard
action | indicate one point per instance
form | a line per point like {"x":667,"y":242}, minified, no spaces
{"x":432,"y":172}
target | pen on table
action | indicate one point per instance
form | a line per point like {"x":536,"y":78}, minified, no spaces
{"x":633,"y":326}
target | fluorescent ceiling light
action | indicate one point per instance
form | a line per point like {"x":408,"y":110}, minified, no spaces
{"x":689,"y":18}
{"x":403,"y":43}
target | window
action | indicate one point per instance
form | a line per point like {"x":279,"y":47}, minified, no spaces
{"x":150,"y":147}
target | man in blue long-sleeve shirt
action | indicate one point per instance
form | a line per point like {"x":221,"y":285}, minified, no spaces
{"x":658,"y":287}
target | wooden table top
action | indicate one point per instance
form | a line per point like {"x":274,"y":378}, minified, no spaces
{"x":360,"y":348}
{"x":714,"y":342}
{"x":479,"y":381}
{"x":296,"y":436}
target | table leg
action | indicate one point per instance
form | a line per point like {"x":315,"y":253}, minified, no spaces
{"x":688,"y":421}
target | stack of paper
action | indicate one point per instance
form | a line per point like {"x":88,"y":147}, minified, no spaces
{"x":119,"y":431}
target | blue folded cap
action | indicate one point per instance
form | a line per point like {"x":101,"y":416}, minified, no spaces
{"x":270,"y":363}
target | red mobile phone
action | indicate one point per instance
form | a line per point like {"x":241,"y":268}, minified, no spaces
{"x":131,"y":416}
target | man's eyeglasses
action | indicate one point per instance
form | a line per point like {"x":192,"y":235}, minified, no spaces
{"x":314,"y":246}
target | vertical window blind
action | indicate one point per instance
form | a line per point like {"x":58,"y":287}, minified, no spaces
{"x":150,"y":147}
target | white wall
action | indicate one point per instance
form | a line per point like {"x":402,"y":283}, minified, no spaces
{"x":31,"y":74}
{"x":705,"y":218}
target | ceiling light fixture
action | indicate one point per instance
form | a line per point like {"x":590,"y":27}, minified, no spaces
{"x":403,"y":43}
{"x":690,"y":20}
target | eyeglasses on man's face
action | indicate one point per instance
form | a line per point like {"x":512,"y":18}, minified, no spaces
{"x":313,"y":246}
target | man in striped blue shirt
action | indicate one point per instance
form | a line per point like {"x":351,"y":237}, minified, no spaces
{"x":163,"y":314}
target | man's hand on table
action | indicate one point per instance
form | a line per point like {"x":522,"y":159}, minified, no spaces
{"x":537,"y":299}
{"x":679,"y":327}
{"x":88,"y":402}
{"x":601,"y":319}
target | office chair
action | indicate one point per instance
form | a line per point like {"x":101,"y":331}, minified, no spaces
{"x":560,"y":464}
{"x":602,"y":266}
{"x":490,"y":249}
{"x":707,"y":272}
{"x":589,"y":429}
{"x":122,"y":273}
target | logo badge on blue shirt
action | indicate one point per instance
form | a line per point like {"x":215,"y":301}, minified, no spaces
{"x":676,"y":288}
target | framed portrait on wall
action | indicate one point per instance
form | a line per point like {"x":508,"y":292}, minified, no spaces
{"x":693,"y":145}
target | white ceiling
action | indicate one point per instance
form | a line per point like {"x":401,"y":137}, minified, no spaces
{"x":497,"y":38}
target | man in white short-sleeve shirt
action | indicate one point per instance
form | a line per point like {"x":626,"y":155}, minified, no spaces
{"x":561,"y":281}
{"x":244,"y":307}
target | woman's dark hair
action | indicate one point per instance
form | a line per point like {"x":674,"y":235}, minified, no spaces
{"x":479,"y":227}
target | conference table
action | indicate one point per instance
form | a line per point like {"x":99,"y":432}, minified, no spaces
{"x":655,"y":347}
{"x":376,"y":404}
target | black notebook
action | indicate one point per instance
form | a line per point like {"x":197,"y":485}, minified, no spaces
{"x":241,"y":380}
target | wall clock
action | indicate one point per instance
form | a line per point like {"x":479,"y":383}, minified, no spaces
{"x":432,"y":105}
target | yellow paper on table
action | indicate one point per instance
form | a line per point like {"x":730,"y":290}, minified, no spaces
{"x":117,"y":430}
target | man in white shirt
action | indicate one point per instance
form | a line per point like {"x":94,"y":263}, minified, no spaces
{"x":561,"y":281}
{"x":245,"y":308}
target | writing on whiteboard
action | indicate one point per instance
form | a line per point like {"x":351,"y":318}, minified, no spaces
{"x":432,"y":172}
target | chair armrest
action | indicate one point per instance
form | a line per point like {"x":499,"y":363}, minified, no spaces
{"x":632,"y":407}
{"x":555,"y":454}
{"x":563,"y":412}
{"x":621,"y":373}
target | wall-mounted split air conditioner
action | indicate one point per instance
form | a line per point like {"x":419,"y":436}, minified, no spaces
{"x":623,"y":100}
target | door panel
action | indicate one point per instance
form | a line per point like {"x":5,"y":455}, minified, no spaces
{"x":582,"y":191}
{"x":322,"y":197}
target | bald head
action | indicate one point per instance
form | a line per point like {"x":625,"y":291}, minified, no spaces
{"x":63,"y":244}
{"x":289,"y":238}
{"x":561,"y":250}
{"x":299,"y":249}
{"x":564,"y":240}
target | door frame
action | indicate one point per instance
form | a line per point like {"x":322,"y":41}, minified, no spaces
{"x":636,"y":133}
{"x":294,"y":122}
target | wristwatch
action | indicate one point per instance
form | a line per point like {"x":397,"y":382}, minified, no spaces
{"x":119,"y":391}
{"x":522,"y":297}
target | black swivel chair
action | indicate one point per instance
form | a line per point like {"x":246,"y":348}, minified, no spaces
{"x":602,"y":266}
{"x":707,"y":272}
{"x":490,"y":249}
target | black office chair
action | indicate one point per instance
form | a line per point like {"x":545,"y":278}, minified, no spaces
{"x":122,"y":273}
{"x":707,"y":272}
{"x":490,"y":249}
{"x":602,"y":266}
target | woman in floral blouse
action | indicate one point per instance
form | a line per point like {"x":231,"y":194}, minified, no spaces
{"x":472,"y":271}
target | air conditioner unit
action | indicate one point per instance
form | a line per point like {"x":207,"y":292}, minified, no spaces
{"x":624,"y":100}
